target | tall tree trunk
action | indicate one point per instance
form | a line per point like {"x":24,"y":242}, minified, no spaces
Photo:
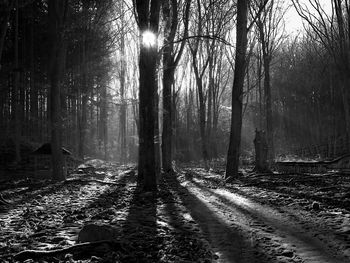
{"x":202,"y":122}
{"x":268,"y":109}
{"x":170,"y":61}
{"x":344,"y":63}
{"x":345,"y":97}
{"x":167,"y":120}
{"x":16,"y":93}
{"x":123,"y":106}
{"x":157,"y":145}
{"x":105,"y":127}
{"x":201,"y":113}
{"x":167,"y":81}
{"x":210,"y":108}
{"x":261,"y":115}
{"x":147,"y":64}
{"x":84,"y":82}
{"x":84,"y":100}
{"x":267,"y":90}
{"x":4,"y":22}
{"x":148,"y":19}
{"x":237,"y":90}
{"x":57,"y":15}
{"x":33,"y":89}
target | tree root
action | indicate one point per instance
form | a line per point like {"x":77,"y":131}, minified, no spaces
{"x":93,"y":181}
{"x":82,"y":247}
{"x":3,"y":201}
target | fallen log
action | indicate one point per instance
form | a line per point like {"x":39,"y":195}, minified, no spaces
{"x":80,"y":180}
{"x":87,"y":247}
{"x":3,"y":201}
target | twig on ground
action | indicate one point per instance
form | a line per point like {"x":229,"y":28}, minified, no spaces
{"x":35,"y":254}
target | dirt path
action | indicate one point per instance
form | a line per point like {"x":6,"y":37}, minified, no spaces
{"x":192,"y":215}
{"x":242,"y":230}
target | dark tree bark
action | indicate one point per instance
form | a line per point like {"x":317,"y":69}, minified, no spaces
{"x":261,"y":151}
{"x":84,"y":83}
{"x":148,"y":19}
{"x":16,"y":92}
{"x":33,"y":88}
{"x":5,"y":12}
{"x":57,"y":16}
{"x":266,"y":57}
{"x":202,"y":114}
{"x":237,"y":90}
{"x":269,"y":26}
{"x":170,"y":61}
{"x":343,"y":20}
{"x":103,"y":133}
{"x":333,"y":32}
{"x":201,"y":94}
{"x":123,"y":105}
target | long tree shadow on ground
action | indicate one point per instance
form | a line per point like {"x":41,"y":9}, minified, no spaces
{"x":112,"y":196}
{"x":244,"y":206}
{"x":140,"y":227}
{"x":29,"y":193}
{"x":307,"y":189}
{"x":295,"y":185}
{"x":188,"y":244}
{"x":223,"y":238}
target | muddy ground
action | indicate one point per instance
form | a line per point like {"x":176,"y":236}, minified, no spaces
{"x":194,"y":217}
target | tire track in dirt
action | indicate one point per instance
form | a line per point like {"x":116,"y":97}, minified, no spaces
{"x":227,"y":241}
{"x":246,"y":231}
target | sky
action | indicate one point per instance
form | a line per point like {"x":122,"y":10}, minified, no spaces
{"x":293,"y":21}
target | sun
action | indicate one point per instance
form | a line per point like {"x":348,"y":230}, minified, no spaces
{"x":149,"y":39}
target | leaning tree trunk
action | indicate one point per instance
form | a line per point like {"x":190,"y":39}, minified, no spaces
{"x":237,"y":90}
{"x":57,"y":13}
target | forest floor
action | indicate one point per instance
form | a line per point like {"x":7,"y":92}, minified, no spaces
{"x":194,"y":217}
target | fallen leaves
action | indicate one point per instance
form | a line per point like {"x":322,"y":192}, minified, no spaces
{"x":45,"y":220}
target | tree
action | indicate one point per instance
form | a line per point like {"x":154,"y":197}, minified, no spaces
{"x":16,"y":90}
{"x":148,"y":23}
{"x":57,"y":18}
{"x":332,"y":30}
{"x":270,"y":32}
{"x":123,"y":106}
{"x":237,"y":90}
{"x":25,"y":87}
{"x":171,"y":58}
{"x":200,"y":62}
{"x":5,"y":12}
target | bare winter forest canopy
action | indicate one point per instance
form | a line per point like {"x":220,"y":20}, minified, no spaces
{"x":226,"y":121}
{"x":161,"y":82}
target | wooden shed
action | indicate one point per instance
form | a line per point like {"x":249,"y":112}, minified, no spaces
{"x":42,"y":161}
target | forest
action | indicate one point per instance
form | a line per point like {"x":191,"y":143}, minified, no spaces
{"x":174,"y":131}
